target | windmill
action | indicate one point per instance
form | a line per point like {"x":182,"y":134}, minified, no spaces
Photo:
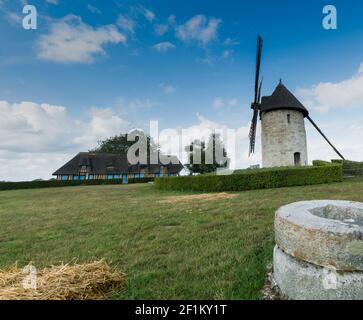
{"x":282,"y":117}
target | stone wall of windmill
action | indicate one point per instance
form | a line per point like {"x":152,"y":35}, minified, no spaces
{"x":283,"y":138}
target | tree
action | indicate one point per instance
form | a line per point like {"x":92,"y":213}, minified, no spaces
{"x":206,"y":158}
{"x":119,"y":144}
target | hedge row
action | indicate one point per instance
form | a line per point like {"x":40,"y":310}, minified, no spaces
{"x":354,"y":168}
{"x":68,"y":183}
{"x":319,"y":163}
{"x":254,"y":179}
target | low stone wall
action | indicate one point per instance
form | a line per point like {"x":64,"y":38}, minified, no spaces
{"x":319,"y":252}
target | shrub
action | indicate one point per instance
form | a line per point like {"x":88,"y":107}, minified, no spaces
{"x":319,"y":163}
{"x":337,"y":161}
{"x":353,"y":168}
{"x":69,"y":183}
{"x":254,"y":179}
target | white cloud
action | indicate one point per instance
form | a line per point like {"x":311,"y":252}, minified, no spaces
{"x":36,"y":139}
{"x":161,"y":29}
{"x":230,"y":42}
{"x":27,"y":166}
{"x":12,"y":17}
{"x":41,"y":124}
{"x":328,"y":95}
{"x":15,"y":18}
{"x":226,"y":54}
{"x":93,"y":9}
{"x":70,"y":40}
{"x":163,"y":46}
{"x":148,"y":14}
{"x":167,"y":88}
{"x":103,"y":124}
{"x":171,"y":19}
{"x":220,"y":103}
{"x":126,"y":23}
{"x":126,"y":106}
{"x":233,"y":102}
{"x":199,"y":29}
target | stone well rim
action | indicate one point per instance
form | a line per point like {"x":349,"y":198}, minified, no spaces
{"x":300,"y":213}
{"x":321,"y":241}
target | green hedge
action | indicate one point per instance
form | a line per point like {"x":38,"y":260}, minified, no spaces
{"x":254,"y":179}
{"x":350,"y":168}
{"x":337,"y":161}
{"x":319,"y":163}
{"x":353,"y":168}
{"x":57,"y":183}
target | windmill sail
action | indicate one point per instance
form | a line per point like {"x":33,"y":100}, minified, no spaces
{"x":257,"y":100}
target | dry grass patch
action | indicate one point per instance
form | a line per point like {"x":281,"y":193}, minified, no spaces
{"x":89,"y":281}
{"x":194,"y":197}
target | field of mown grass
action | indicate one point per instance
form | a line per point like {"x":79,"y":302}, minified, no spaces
{"x":171,"y":245}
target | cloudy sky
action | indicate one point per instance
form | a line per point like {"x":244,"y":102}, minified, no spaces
{"x":96,"y":68}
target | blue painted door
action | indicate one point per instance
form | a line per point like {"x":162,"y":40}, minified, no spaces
{"x":124,"y":179}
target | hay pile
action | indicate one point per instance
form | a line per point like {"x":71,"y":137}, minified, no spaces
{"x":90,"y":281}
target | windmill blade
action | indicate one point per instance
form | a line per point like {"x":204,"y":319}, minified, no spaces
{"x":256,"y":104}
{"x":252,"y":134}
{"x":324,"y":136}
{"x":259,"y":92}
{"x":258,"y":66}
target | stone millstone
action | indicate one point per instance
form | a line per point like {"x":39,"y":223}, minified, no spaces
{"x":301,"y":280}
{"x":326,"y":233}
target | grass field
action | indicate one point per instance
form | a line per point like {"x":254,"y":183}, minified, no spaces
{"x":171,"y":245}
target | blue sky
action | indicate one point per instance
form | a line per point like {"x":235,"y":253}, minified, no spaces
{"x":184,"y":63}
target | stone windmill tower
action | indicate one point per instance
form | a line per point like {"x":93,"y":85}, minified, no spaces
{"x":282,"y":118}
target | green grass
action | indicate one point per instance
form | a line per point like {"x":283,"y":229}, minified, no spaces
{"x":199,"y":249}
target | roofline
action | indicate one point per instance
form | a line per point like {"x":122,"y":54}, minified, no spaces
{"x":304,"y":112}
{"x":131,"y":168}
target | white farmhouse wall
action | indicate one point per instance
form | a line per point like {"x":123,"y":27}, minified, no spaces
{"x":281,"y":139}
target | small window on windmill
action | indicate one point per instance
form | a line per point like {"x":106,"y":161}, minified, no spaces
{"x":288,"y":118}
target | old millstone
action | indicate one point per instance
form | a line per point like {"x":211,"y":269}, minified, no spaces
{"x":326,"y":233}
{"x":301,"y":280}
{"x":319,"y":253}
